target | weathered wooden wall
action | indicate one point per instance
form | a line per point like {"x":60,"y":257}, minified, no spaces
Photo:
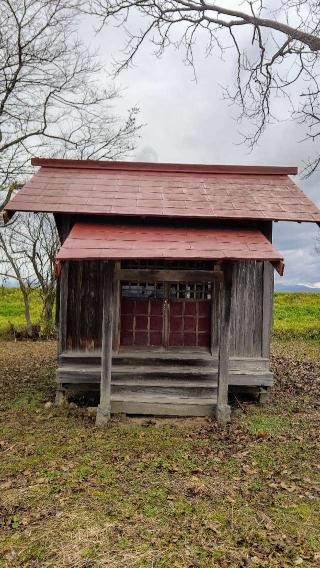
{"x":246,"y":310}
{"x":251,"y":314}
{"x":84,"y":314}
{"x":250,"y":320}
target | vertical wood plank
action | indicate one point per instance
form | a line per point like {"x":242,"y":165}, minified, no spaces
{"x":215,"y":316}
{"x":63,"y":308}
{"x":104,"y":408}
{"x":63,"y":228}
{"x":223,"y":409}
{"x":267,"y":308}
{"x":258,"y":310}
{"x":116,"y":310}
{"x":268,"y":297}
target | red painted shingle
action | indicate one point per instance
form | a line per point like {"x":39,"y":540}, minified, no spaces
{"x":164,"y":190}
{"x":94,"y":241}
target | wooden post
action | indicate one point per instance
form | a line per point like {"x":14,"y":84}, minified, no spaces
{"x":116,"y":308}
{"x":62,"y":300}
{"x":223,"y":409}
{"x":268,"y":291}
{"x":63,"y":307}
{"x":267,"y":308}
{"x":104,"y":408}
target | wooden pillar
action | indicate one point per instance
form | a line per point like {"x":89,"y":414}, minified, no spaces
{"x":268,"y":295}
{"x":104,"y":408}
{"x":62,"y":300}
{"x":63,"y":307}
{"x":223,"y":409}
{"x":116,"y":309}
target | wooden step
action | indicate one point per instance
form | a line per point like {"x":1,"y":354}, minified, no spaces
{"x":158,"y":389}
{"x":88,"y":374}
{"x":251,"y":378}
{"x":202,"y":358}
{"x":163,"y":370}
{"x":168,"y":405}
{"x":155,"y":382}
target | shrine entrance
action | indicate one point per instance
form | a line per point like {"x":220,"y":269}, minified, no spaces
{"x":165,"y":314}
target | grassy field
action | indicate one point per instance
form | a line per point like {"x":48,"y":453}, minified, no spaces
{"x":158,"y":493}
{"x":12,"y":309}
{"x":297,"y":316}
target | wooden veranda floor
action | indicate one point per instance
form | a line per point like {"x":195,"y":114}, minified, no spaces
{"x":172,"y":382}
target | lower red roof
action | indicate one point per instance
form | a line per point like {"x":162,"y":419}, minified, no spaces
{"x":88,"y":241}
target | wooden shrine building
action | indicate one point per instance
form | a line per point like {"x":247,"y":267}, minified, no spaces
{"x":165,"y":290}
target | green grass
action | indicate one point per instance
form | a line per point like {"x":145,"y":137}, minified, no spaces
{"x":296,"y":315}
{"x":12,"y":308}
{"x":162,"y":493}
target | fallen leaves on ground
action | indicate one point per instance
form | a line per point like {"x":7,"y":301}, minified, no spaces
{"x":157,"y":492}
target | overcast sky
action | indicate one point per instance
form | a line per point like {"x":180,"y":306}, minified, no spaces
{"x":188,"y":121}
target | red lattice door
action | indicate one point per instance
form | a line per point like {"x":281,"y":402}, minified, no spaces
{"x":142,"y":318}
{"x":165,"y":315}
{"x":189,"y":323}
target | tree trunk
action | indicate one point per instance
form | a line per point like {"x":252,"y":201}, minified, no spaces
{"x":25,"y":295}
{"x":48,"y":303}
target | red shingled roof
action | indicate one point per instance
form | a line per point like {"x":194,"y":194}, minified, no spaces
{"x":97,"y":242}
{"x":164,"y":190}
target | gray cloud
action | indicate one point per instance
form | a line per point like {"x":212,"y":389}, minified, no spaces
{"x":146,"y":154}
{"x":187,"y":121}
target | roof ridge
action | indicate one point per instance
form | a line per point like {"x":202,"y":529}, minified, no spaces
{"x":165,"y":167}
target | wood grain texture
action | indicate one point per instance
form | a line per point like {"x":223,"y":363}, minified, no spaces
{"x":147,"y":275}
{"x":85,"y":306}
{"x":116,"y":309}
{"x":224,"y":341}
{"x":247,"y":309}
{"x":107,"y":333}
{"x":63,"y":307}
{"x":268,"y":297}
{"x":267,"y":308}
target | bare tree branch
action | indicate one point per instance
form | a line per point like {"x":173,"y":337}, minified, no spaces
{"x":27,"y":254}
{"x":276,"y":47}
{"x":52,"y":98}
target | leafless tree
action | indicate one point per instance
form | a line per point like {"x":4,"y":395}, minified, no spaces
{"x":27,"y":254}
{"x":52,"y":98}
{"x":52,"y":103}
{"x":275,"y":45}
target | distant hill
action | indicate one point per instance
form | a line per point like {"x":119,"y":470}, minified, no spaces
{"x":295,"y":288}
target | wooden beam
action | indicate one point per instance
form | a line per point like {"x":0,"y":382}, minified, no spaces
{"x":147,"y":275}
{"x":223,"y":409}
{"x":63,"y":307}
{"x":104,"y":408}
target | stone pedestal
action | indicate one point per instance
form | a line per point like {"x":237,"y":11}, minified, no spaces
{"x":61,"y":397}
{"x":263,"y":395}
{"x":103,"y":415}
{"x":223,"y":414}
